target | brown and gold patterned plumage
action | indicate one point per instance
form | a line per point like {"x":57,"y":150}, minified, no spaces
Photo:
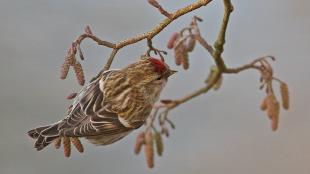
{"x":115,"y":103}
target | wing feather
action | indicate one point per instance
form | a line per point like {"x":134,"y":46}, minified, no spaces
{"x":90,"y":118}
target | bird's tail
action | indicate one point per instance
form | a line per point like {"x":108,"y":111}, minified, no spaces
{"x":44,"y":135}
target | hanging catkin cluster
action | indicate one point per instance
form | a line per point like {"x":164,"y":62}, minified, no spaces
{"x":66,"y":141}
{"x":148,"y":140}
{"x":70,"y":60}
{"x":270,"y":104}
{"x":182,"y":44}
{"x":151,"y":138}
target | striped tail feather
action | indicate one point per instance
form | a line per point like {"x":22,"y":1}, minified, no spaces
{"x":34,"y":133}
{"x":44,"y":135}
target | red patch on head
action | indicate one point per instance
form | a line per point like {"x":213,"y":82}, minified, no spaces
{"x":159,"y":65}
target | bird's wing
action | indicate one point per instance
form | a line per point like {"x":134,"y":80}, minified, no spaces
{"x":89,"y":116}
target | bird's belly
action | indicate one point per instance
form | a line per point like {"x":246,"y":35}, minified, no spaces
{"x":106,"y":139}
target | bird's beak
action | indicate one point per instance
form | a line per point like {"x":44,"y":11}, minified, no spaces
{"x":172,"y":72}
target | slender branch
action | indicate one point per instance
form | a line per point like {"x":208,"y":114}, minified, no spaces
{"x":194,"y":94}
{"x":204,"y":43}
{"x":218,"y":61}
{"x":251,"y":65}
{"x":110,"y":60}
{"x":220,"y":41}
{"x":157,"y":29}
{"x":155,"y":4}
{"x":168,"y":105}
{"x":94,"y":38}
{"x":241,"y":68}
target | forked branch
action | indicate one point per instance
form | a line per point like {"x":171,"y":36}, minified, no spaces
{"x":147,"y":35}
{"x":215,"y":77}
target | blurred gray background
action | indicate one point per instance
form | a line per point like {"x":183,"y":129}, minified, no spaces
{"x":220,"y":132}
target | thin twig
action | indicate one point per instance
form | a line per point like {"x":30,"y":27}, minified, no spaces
{"x":194,"y":94}
{"x":155,"y":50}
{"x":155,"y":4}
{"x":110,"y":60}
{"x":147,"y":35}
{"x":220,"y":41}
{"x":199,"y":91}
{"x":94,"y":38}
{"x":157,"y":29}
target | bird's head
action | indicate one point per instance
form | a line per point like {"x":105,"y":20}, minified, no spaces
{"x":149,"y":72}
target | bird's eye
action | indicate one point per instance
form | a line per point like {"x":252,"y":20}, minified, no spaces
{"x":159,"y":78}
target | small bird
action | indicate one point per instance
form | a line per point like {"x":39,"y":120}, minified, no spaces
{"x":112,"y":105}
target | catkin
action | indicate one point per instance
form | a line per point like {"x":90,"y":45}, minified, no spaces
{"x":71,"y":96}
{"x":77,"y":143}
{"x":149,"y":150}
{"x":172,"y":40}
{"x":69,"y":61}
{"x":190,"y":43}
{"x":67,"y":146}
{"x":273,"y":110}
{"x":263,"y":105}
{"x":275,"y":119}
{"x":57,"y":143}
{"x":285,"y":95}
{"x":159,"y":143}
{"x":274,"y":124}
{"x":270,"y":105}
{"x":139,"y":142}
{"x":185,"y":60}
{"x":179,"y":54}
{"x":79,"y":73}
{"x":64,"y":69}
